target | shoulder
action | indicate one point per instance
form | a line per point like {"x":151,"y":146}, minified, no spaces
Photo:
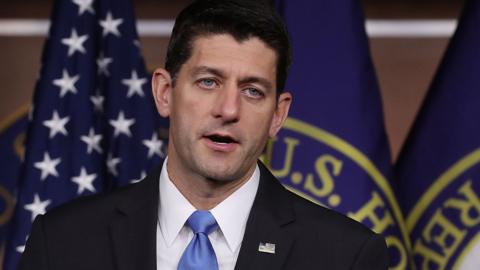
{"x":346,"y":242}
{"x":325,"y":219}
{"x":91,"y":205}
{"x":308,"y":216}
{"x":101,"y":207}
{"x":84,"y":227}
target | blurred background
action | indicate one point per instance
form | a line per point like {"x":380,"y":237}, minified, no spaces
{"x":405,"y":60}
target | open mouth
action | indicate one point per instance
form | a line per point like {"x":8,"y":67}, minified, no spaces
{"x":221,"y":139}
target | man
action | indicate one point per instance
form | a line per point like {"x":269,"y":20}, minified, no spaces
{"x":211,"y":205}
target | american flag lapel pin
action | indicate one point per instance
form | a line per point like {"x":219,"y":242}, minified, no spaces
{"x":266,"y":248}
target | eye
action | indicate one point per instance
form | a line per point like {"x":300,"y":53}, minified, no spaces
{"x":207,"y":83}
{"x":253,"y":92}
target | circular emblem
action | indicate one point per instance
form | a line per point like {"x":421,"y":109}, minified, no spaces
{"x":445,"y":220}
{"x":328,"y":170}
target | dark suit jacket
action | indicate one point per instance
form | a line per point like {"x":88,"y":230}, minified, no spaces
{"x":118,"y":231}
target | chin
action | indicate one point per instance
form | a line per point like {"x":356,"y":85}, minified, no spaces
{"x":221,"y":174}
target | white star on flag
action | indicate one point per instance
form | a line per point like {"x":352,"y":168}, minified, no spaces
{"x":84,"y":181}
{"x":47,"y":166}
{"x":110,"y":25}
{"x":102,"y":63}
{"x":84,"y":142}
{"x":84,"y":5}
{"x":93,"y":141}
{"x":20,"y":249}
{"x":56,"y":124}
{"x":112,"y":164}
{"x":66,"y":83}
{"x":134,"y":84}
{"x":154,"y":146}
{"x":37,"y":207}
{"x":122,"y":125}
{"x":75,"y":43}
{"x":97,"y":101}
{"x":142,"y":175}
{"x":136,"y":42}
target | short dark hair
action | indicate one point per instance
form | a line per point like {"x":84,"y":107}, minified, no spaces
{"x":242,"y":19}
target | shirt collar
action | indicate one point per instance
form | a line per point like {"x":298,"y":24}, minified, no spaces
{"x":231,"y":214}
{"x":174,"y":209}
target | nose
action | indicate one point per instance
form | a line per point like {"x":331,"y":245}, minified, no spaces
{"x":227,"y":104}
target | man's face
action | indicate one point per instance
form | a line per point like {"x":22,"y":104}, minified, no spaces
{"x":222,"y":109}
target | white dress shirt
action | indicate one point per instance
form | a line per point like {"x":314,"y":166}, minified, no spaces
{"x":173,"y":236}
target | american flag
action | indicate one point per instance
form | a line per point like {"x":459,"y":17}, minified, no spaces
{"x":93,"y":124}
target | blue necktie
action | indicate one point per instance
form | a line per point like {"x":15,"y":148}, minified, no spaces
{"x":199,"y":253}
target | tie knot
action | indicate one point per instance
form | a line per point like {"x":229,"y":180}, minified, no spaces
{"x":202,"y":221}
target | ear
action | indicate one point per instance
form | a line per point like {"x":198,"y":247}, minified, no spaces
{"x":161,"y":90}
{"x":281,"y":113}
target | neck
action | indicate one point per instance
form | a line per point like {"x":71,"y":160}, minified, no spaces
{"x":203,"y":193}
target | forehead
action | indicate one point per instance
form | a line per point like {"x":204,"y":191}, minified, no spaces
{"x":221,"y":51}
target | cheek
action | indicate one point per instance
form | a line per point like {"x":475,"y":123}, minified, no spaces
{"x":259,"y":124}
{"x":189,"y":100}
{"x":186,"y":116}
{"x":180,"y":122}
{"x":263,"y":118}
{"x":182,"y":105}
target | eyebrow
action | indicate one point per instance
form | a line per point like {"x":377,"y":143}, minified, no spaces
{"x":208,"y":70}
{"x":216,"y":72}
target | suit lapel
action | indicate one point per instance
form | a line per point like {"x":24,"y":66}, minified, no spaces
{"x":268,"y":222}
{"x":133,"y":226}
